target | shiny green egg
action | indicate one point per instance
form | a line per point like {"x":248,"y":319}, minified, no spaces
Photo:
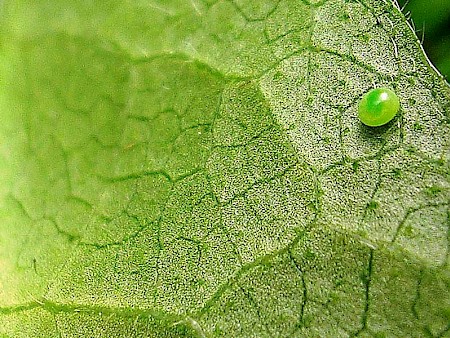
{"x":378,"y":106}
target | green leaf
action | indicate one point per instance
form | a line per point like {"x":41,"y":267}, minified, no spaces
{"x":197,"y":168}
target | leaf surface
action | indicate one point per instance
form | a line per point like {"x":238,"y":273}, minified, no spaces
{"x":197,"y":168}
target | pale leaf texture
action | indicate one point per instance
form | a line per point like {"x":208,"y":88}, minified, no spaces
{"x":197,"y":169}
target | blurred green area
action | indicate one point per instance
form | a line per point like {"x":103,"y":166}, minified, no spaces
{"x":431,"y":19}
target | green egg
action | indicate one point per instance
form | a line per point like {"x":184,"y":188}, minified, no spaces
{"x":378,"y":106}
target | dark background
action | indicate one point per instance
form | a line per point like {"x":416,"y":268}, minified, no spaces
{"x":431,"y":20}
